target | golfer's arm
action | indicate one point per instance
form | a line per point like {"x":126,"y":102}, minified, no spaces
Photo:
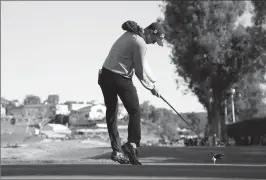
{"x":142,"y":69}
{"x":148,"y":72}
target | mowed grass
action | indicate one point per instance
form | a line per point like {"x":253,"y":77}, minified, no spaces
{"x":233,"y":155}
{"x":11,"y":134}
{"x":16,"y":133}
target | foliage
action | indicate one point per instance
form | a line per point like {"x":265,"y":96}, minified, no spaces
{"x":145,"y":110}
{"x":252,"y":95}
{"x":209,"y":51}
{"x":259,"y":17}
{"x":194,"y":120}
{"x":53,"y":99}
{"x":32,"y":99}
{"x":166,"y":121}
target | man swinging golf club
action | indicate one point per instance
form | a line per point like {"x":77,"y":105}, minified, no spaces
{"x":115,"y":79}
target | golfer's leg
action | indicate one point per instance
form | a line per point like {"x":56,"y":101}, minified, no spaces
{"x":111,"y":121}
{"x":111,"y":103}
{"x":129,"y":97}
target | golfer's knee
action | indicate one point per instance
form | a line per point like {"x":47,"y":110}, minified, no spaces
{"x":111,"y":108}
{"x":134,"y":111}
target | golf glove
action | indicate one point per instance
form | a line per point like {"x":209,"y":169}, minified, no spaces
{"x":155,"y":92}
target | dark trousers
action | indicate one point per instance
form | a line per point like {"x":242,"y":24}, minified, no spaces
{"x":114,"y":85}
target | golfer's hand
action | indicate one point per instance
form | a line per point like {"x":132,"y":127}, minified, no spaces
{"x":155,"y":92}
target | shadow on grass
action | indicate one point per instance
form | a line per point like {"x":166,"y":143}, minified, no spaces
{"x":234,"y":155}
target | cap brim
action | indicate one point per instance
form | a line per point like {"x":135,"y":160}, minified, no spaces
{"x":159,"y":42}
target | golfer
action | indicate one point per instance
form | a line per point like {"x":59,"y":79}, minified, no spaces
{"x":115,"y":79}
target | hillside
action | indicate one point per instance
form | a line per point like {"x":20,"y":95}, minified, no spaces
{"x":151,"y":117}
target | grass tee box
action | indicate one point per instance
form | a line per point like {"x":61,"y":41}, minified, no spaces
{"x":13,"y":133}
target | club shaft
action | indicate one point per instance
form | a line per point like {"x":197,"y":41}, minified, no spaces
{"x":185,"y":122}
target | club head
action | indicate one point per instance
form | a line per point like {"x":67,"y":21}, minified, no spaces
{"x":218,"y":156}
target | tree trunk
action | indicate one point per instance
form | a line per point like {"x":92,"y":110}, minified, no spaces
{"x":212,"y":123}
{"x":219,"y":124}
{"x":208,"y":128}
{"x":223,"y":132}
{"x":215,"y":126}
{"x":222,"y":127}
{"x":223,"y":122}
{"x":217,"y":120}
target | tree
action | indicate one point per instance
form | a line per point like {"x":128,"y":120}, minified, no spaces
{"x":145,"y":110}
{"x":9,"y":106}
{"x":168,"y":131}
{"x":259,"y":17}
{"x":53,"y":99}
{"x":32,"y":99}
{"x":155,"y":115}
{"x":252,"y":95}
{"x":50,"y":112}
{"x":209,"y":52}
{"x":194,"y":121}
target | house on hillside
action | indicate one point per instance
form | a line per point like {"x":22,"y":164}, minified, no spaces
{"x":69,"y":104}
{"x":4,"y":102}
{"x":62,"y":109}
{"x":97,"y":112}
{"x":17,"y":112}
{"x":80,"y":117}
{"x":16,"y":103}
{"x":38,"y":112}
{"x":74,"y":105}
{"x":87,"y":115}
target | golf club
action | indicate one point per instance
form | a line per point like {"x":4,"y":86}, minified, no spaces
{"x":215,"y":156}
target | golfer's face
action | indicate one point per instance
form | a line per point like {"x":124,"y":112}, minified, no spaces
{"x":159,"y":39}
{"x":153,"y":38}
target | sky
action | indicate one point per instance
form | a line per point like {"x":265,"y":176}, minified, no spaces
{"x":58,"y":47}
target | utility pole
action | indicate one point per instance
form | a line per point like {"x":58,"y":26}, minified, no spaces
{"x":233,"y":104}
{"x":225,"y":112}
